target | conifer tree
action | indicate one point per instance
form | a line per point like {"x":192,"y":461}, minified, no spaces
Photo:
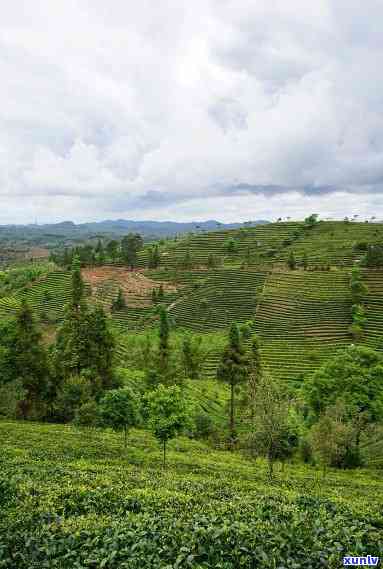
{"x":233,"y":370}
{"x":162,"y":369}
{"x":255,"y":371}
{"x":29,"y":358}
{"x":101,"y":348}
{"x":163,"y":347}
{"x":71,"y":353}
{"x":84,"y":344}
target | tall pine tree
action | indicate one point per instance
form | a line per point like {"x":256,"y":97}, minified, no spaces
{"x":84,"y":344}
{"x":233,"y":370}
{"x":30,"y":361}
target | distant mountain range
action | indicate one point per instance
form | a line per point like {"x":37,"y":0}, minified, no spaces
{"x":69,"y":231}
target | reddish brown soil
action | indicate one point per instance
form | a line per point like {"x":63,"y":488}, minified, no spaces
{"x":137,"y":288}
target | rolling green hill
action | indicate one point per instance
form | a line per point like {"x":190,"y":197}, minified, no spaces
{"x":301,"y":316}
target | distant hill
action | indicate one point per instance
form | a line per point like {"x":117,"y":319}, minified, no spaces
{"x":49,"y":234}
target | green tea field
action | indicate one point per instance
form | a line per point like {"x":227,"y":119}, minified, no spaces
{"x":74,"y":499}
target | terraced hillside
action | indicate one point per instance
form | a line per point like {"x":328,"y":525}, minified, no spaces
{"x":301,"y":319}
{"x":48,"y":295}
{"x":225,"y":296}
{"x":327,"y":242}
{"x":374,"y":308}
{"x":333,"y":242}
{"x":257,"y":244}
{"x":301,"y":316}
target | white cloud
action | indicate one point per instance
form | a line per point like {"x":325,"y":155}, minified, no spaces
{"x":165,"y":109}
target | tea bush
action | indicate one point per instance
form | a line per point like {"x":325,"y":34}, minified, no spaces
{"x":78,"y":502}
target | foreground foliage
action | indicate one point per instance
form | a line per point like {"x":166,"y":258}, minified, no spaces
{"x":70,"y":499}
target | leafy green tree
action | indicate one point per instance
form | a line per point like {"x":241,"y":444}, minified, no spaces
{"x":311,"y":220}
{"x":130,"y":245}
{"x":112,"y":249}
{"x":168,"y":414}
{"x":305,"y":261}
{"x":374,"y":256}
{"x":233,"y":370}
{"x":272,"y":435}
{"x":355,"y":376}
{"x":119,"y":303}
{"x":119,"y":410}
{"x":230,"y":246}
{"x":334,"y":438}
{"x":72,"y":394}
{"x":291,"y":261}
{"x":358,"y":289}
{"x":87,"y":414}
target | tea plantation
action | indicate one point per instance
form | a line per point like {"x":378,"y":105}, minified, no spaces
{"x":74,"y":499}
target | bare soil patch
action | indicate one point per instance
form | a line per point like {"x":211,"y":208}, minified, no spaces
{"x":137,"y":288}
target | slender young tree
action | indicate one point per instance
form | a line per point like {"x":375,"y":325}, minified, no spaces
{"x":255,"y":371}
{"x":168,"y":414}
{"x":163,"y":355}
{"x":272,"y":435}
{"x":233,"y":370}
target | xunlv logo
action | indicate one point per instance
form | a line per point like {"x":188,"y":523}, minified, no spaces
{"x":368,"y":560}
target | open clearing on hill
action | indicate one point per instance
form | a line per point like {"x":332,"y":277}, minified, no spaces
{"x":136,"y":286}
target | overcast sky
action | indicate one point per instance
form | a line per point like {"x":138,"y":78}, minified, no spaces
{"x":190,"y":109}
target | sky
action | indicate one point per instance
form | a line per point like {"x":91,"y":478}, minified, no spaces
{"x":190,"y":110}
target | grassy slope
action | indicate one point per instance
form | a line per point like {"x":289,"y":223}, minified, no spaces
{"x":82,"y":501}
